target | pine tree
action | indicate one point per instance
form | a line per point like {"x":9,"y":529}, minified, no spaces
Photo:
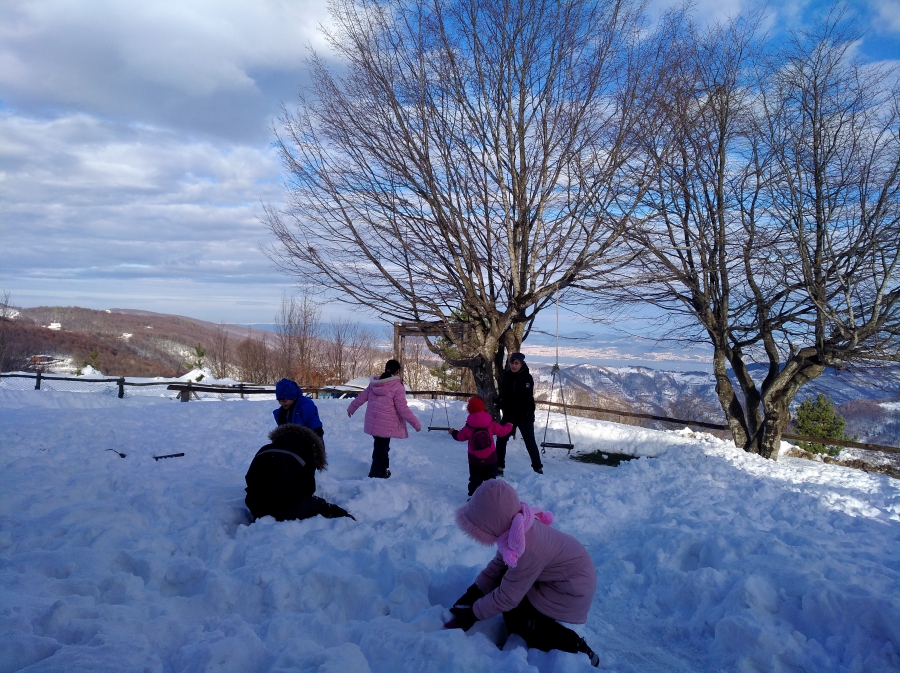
{"x":817,"y":418}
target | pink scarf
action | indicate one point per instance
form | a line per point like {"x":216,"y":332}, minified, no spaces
{"x":512,"y":543}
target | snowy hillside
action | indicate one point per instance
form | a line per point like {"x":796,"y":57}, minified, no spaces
{"x":708,"y":559}
{"x":656,"y":387}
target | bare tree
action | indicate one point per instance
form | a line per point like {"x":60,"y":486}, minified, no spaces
{"x":350,"y":351}
{"x":13,"y":350}
{"x":468,"y":160}
{"x":417,"y":364}
{"x":297,"y":329}
{"x":219,"y":352}
{"x":833,"y":195}
{"x":254,"y":360}
{"x":771,"y":229}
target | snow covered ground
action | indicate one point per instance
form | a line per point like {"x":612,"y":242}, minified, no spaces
{"x":708,"y":559}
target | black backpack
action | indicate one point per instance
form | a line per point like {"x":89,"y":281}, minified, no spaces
{"x":481,"y":438}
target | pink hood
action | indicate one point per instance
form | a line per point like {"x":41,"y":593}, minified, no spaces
{"x":489,"y":512}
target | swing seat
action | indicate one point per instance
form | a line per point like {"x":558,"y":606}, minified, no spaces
{"x":438,"y":427}
{"x":557,"y":445}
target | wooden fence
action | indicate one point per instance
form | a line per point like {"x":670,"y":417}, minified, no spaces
{"x":187,"y":389}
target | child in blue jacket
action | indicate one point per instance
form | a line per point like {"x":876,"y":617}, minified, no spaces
{"x":295,"y":408}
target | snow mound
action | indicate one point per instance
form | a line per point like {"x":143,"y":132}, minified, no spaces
{"x":708,"y":559}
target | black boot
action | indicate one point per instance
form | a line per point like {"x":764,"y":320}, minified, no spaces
{"x":584,"y":647}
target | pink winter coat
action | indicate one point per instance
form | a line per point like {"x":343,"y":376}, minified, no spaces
{"x":555,"y":570}
{"x":477,"y":421}
{"x":387,"y":413}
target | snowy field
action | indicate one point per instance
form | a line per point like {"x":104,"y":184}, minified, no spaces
{"x":708,"y":559}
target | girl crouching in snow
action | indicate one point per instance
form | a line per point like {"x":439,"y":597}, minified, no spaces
{"x":480,"y":429}
{"x":538,"y":576}
{"x":281,"y":481}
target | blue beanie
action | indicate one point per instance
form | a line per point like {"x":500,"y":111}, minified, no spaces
{"x":286,"y":389}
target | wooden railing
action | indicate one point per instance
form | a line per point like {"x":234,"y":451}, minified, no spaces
{"x":186,"y":389}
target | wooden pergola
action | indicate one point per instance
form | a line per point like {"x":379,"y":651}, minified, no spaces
{"x":431,"y":328}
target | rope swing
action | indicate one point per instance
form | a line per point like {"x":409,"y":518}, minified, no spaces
{"x":568,"y":446}
{"x":431,"y":425}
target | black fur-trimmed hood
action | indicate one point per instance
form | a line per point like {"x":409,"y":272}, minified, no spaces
{"x":296,"y":436}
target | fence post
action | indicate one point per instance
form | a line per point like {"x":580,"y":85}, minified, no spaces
{"x":121,"y":387}
{"x":186,"y":393}
{"x":37,"y":380}
{"x":241,"y":388}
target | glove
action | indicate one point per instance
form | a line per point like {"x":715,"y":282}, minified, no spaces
{"x":330,"y":511}
{"x":463,"y":618}
{"x":467,"y":600}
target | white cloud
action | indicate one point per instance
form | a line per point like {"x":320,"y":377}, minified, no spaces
{"x":204,"y":65}
{"x":99,"y":208}
{"x":888,"y":12}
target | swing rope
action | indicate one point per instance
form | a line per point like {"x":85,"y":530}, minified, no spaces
{"x":568,"y":446}
{"x":431,"y":425}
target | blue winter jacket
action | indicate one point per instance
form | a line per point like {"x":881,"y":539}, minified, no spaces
{"x":304,"y":412}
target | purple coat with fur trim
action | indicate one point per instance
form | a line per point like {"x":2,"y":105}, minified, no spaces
{"x":555,"y":572}
{"x":387,"y":413}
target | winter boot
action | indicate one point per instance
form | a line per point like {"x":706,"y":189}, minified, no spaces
{"x":584,"y":647}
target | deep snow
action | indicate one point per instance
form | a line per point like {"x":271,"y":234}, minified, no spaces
{"x":708,"y":559}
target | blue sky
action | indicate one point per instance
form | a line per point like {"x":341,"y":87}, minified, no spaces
{"x":135,"y":145}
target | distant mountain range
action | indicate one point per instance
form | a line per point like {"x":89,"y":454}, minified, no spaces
{"x":869,"y":399}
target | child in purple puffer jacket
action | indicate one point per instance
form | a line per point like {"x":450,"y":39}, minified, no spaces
{"x":539,"y":577}
{"x":386,"y":415}
{"x":479,"y":430}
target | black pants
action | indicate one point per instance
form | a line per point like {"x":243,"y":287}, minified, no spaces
{"x":527,"y":430}
{"x":540,"y":631}
{"x":380,"y":459}
{"x":478,"y":474}
{"x":310,"y":506}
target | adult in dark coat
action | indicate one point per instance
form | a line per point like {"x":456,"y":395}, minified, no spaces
{"x":516,"y":401}
{"x":281,"y":481}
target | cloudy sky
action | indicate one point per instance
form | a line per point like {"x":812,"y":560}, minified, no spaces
{"x":135,"y":145}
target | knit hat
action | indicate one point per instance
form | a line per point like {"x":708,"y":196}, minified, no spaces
{"x":475,"y":405}
{"x":286,"y":389}
{"x":517,"y":356}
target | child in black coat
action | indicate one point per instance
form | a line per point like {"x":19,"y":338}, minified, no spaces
{"x":281,"y":481}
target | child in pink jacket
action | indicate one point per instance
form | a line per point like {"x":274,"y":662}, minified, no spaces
{"x":386,"y":415}
{"x":479,"y":430}
{"x":539,"y":575}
